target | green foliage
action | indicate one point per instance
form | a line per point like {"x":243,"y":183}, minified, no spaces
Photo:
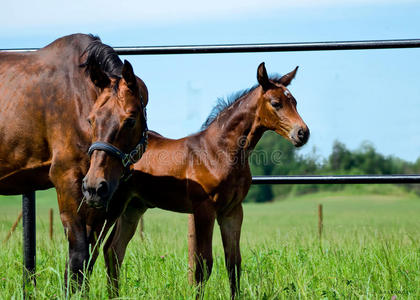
{"x":272,"y":155}
{"x":369,"y":250}
{"x":276,"y":156}
{"x":366,"y":160}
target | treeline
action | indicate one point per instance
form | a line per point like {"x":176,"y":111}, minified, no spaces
{"x":276,"y":156}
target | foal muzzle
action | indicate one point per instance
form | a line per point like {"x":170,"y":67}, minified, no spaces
{"x":299,"y":136}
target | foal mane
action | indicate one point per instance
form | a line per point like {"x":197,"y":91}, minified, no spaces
{"x":223,"y":104}
{"x":104,"y":56}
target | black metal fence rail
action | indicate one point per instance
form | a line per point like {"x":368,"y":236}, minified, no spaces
{"x":28,"y":200}
{"x":264,"y":47}
{"x":337,"y":179}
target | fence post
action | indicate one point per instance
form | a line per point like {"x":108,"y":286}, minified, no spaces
{"x":51,"y":223}
{"x":29,"y":240}
{"x":15,"y":224}
{"x":141,"y":227}
{"x":192,"y":246}
{"x":320,"y":221}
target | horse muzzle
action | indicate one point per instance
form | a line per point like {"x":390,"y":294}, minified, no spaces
{"x":97,"y":195}
{"x":299,"y":135}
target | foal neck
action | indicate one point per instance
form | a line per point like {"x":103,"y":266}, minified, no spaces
{"x":237,"y":131}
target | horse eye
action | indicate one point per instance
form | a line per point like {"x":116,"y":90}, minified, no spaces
{"x":89,"y":121}
{"x":130,"y":122}
{"x":276,"y":104}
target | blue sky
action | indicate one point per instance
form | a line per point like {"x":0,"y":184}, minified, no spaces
{"x":352,"y":96}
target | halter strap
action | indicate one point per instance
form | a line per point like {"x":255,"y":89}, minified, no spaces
{"x":127,"y":159}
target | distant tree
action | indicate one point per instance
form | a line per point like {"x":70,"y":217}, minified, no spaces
{"x":273,"y":155}
{"x":341,"y":158}
{"x":276,"y":156}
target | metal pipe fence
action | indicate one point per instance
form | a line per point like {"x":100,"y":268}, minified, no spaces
{"x":337,"y":179}
{"x":263,"y":47}
{"x":28,"y":200}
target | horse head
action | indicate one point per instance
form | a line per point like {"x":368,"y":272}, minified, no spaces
{"x":277,"y":108}
{"x":119,"y":132}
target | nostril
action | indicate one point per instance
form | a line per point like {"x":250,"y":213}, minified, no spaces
{"x":102,"y":190}
{"x":84,"y":187}
{"x":301,"y":134}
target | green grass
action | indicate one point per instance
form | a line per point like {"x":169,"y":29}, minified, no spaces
{"x":370,"y":250}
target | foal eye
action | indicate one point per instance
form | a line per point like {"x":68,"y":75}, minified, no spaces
{"x":130,"y":122}
{"x":276,"y":104}
{"x":89,"y":121}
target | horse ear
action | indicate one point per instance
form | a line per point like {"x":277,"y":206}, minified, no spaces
{"x":286,"y":79}
{"x":98,"y":77}
{"x":128,"y":75}
{"x":263,"y":77}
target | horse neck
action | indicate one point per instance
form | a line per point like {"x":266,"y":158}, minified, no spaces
{"x":237,"y":132}
{"x":85,"y":97}
{"x":69,"y":53}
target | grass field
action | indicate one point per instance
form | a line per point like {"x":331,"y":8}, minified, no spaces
{"x":370,"y":250}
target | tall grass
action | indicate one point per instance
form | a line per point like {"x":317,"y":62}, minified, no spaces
{"x":370,"y":249}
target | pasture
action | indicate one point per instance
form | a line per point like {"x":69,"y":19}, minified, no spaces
{"x":370,"y":249}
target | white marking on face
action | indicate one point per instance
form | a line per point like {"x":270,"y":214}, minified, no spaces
{"x":287,"y":93}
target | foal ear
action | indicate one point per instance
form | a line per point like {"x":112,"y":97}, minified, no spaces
{"x":286,"y":79}
{"x":128,"y":75}
{"x":98,"y":77}
{"x":263,"y":77}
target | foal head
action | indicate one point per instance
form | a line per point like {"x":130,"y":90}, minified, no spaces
{"x":277,"y":108}
{"x":119,"y":131}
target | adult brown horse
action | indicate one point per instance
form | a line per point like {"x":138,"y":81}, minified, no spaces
{"x":207,"y":173}
{"x":57,"y":103}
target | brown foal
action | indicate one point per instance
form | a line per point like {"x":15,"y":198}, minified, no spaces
{"x":207,"y":174}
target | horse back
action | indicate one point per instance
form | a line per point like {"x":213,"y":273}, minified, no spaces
{"x":64,"y":52}
{"x":42,"y":95}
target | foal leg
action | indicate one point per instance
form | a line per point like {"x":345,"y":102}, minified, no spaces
{"x":116,"y":244}
{"x":204,"y":216}
{"x":95,"y":234}
{"x":98,"y":225}
{"x":230,"y":227}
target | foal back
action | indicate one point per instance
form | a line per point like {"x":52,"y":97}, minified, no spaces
{"x":162,"y":177}
{"x":177,"y":174}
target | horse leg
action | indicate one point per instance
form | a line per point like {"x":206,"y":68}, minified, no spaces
{"x":81,"y":263}
{"x":230,"y":227}
{"x":116,"y":244}
{"x":78,"y":248}
{"x":68,"y":186}
{"x":204,"y":216}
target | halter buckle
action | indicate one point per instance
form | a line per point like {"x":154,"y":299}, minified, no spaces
{"x":126,"y":160}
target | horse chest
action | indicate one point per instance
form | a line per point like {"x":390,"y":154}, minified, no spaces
{"x":230,"y":193}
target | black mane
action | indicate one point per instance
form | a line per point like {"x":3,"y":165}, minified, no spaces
{"x":223,"y":104}
{"x":104,"y":56}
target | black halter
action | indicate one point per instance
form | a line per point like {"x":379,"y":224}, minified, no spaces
{"x":127,"y":159}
